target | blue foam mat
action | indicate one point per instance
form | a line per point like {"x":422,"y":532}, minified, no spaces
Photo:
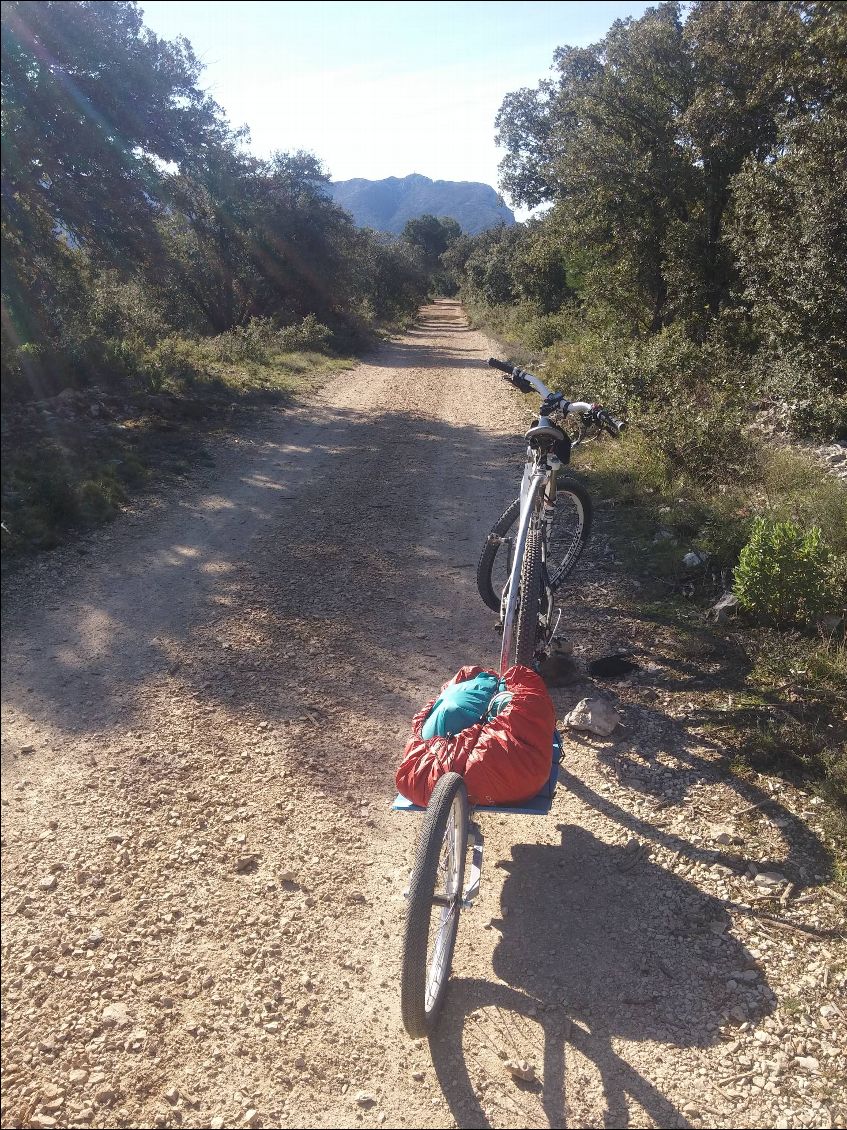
{"x":540,"y":805}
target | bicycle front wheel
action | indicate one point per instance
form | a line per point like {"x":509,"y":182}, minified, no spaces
{"x":435,"y":900}
{"x":568,"y":532}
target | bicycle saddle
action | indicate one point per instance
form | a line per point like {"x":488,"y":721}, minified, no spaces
{"x":543,"y":430}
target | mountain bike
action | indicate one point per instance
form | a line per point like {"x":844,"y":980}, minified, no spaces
{"x":538,"y":540}
{"x":526,"y":557}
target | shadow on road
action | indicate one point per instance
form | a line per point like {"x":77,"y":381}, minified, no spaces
{"x":592,"y":949}
{"x":329,"y":568}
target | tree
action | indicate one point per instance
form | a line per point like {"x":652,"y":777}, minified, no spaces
{"x":788,"y":232}
{"x":96,"y":110}
{"x":126,"y":192}
{"x":205,"y":259}
{"x":489,"y":266}
{"x":432,"y":234}
{"x":638,"y":138}
{"x":601,"y":141}
{"x":95,"y":107}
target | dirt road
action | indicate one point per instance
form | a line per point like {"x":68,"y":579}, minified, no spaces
{"x":202,"y":878}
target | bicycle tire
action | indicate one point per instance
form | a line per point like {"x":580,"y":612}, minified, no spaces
{"x":569,"y":533}
{"x":421,"y":998}
{"x":529,"y":600}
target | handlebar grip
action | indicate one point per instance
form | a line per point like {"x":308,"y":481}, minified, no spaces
{"x":503,"y":366}
{"x":612,"y":425}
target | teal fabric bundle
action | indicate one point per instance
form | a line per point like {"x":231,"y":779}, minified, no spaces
{"x":463,"y":704}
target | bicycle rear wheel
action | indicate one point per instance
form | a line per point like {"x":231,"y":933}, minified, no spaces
{"x":568,"y":532}
{"x":435,"y":900}
{"x":529,"y":601}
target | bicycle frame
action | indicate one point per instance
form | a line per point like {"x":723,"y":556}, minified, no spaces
{"x":540,"y":471}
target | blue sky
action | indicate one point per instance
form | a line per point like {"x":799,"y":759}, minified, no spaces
{"x":378,"y":89}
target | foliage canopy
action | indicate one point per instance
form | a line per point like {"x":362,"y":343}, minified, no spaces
{"x":131,"y":209}
{"x":694,"y":165}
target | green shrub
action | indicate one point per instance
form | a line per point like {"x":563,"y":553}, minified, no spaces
{"x":251,"y":342}
{"x":173,"y":360}
{"x":260,"y":338}
{"x":100,"y":499}
{"x":795,"y":489}
{"x":805,"y":737}
{"x":113,"y":359}
{"x":785,"y":576}
{"x":709,"y":444}
{"x":310,"y":334}
{"x":811,"y":388}
{"x":119,"y":307}
{"x":723,"y":535}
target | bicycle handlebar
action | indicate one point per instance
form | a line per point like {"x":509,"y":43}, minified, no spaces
{"x":527,"y":381}
{"x":606,"y":420}
{"x":521,"y":378}
{"x":503,"y":366}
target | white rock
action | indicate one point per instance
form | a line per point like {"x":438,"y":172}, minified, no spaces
{"x":117,"y":1013}
{"x":728,"y":603}
{"x":48,"y":883}
{"x":808,"y":1063}
{"x":769,"y":879}
{"x":520,"y":1069}
{"x":597,"y":715}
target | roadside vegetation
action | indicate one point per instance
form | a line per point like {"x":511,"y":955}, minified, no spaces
{"x":688,"y":272}
{"x":153,"y":269}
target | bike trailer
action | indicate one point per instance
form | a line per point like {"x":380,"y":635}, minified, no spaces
{"x":496,"y":732}
{"x":539,"y":805}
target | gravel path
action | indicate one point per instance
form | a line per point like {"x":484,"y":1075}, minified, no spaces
{"x":202,"y":878}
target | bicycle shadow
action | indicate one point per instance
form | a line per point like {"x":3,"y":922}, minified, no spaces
{"x":595,"y":947}
{"x":665,"y":759}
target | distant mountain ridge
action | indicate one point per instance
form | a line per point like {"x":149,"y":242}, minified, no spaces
{"x":386,"y":205}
